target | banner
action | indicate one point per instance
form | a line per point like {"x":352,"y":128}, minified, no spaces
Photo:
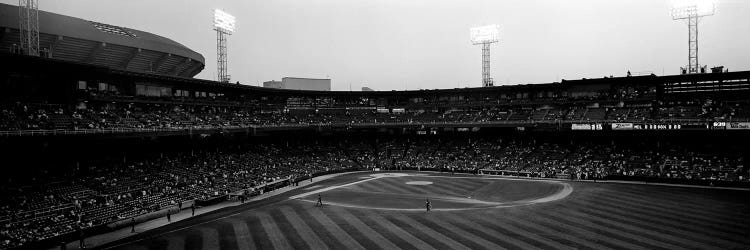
{"x":622,"y":126}
{"x":595,"y":126}
{"x":738,"y":125}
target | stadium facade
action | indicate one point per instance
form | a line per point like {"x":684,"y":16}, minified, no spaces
{"x":651,"y":102}
{"x":83,"y":41}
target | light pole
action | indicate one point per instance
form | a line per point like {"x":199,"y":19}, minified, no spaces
{"x":485,"y":35}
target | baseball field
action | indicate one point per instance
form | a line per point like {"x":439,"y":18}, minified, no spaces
{"x":389,"y":211}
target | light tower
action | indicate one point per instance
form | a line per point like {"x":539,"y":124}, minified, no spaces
{"x":692,"y":11}
{"x":28,"y":26}
{"x":224,"y":26}
{"x":485,"y":35}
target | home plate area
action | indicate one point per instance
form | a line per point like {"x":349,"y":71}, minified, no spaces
{"x":409,"y":192}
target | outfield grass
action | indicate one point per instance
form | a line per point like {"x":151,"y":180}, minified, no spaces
{"x":468,"y":213}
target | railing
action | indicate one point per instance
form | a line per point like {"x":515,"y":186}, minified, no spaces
{"x":198,"y":129}
{"x":84,"y":131}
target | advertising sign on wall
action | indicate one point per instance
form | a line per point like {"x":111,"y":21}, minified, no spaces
{"x":738,"y":125}
{"x":586,"y":126}
{"x":622,"y":126}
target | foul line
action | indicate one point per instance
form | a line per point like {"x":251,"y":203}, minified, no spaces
{"x":331,"y":188}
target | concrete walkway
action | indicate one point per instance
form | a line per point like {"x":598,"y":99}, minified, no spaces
{"x":185,"y":213}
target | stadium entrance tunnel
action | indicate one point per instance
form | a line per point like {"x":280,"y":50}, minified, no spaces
{"x":410,"y":192}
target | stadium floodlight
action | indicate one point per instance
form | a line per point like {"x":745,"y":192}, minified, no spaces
{"x":485,"y":35}
{"x":692,"y":11}
{"x":224,"y":21}
{"x":224,"y":25}
{"x":682,"y":9}
{"x":28,"y":26}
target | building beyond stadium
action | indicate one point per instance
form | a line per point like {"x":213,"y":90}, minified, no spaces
{"x":297,"y":83}
{"x":74,"y":39}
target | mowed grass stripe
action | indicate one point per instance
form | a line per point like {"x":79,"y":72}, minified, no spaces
{"x":225,"y":232}
{"x":351,"y":230}
{"x":153,"y":244}
{"x":242,"y":232}
{"x":731,"y":210}
{"x":551,"y":234}
{"x":685,"y":216}
{"x":398,"y":184}
{"x":632,"y":232}
{"x":303,"y":230}
{"x":424,"y":233}
{"x":458,"y":231}
{"x":325,"y":236}
{"x":331,"y":227}
{"x":455,"y":186}
{"x":394,"y":233}
{"x":669,"y":218}
{"x":275,"y":235}
{"x":576,"y":235}
{"x":529,"y":235}
{"x":448,"y":187}
{"x":371,"y":186}
{"x":287,"y":228}
{"x":427,"y":190}
{"x":261,"y":240}
{"x":700,"y":195}
{"x":688,"y":207}
{"x":674,"y":234}
{"x":174,"y":242}
{"x":193,"y":239}
{"x":210,"y":238}
{"x":655,"y":204}
{"x":694,"y":205}
{"x":142,"y":247}
{"x":492,"y":224}
{"x":453,"y":235}
{"x":583,"y":227}
{"x":490,"y":234}
{"x":365,"y":231}
{"x":467,"y":185}
{"x":388,"y":188}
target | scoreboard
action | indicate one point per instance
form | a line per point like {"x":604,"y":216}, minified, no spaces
{"x":624,"y":126}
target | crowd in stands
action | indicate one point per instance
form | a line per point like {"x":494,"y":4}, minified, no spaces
{"x":579,"y":161}
{"x":38,"y":208}
{"x":43,"y":208}
{"x":25,"y":116}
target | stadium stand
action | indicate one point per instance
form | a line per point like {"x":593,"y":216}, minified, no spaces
{"x":37,"y":209}
{"x":90,"y":145}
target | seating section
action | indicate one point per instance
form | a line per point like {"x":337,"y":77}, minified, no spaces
{"x":57,"y":204}
{"x":123,"y":115}
{"x":36,"y":209}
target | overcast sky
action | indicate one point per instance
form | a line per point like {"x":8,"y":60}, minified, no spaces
{"x":413,"y":44}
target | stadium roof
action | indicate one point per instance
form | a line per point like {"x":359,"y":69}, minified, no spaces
{"x":74,"y":39}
